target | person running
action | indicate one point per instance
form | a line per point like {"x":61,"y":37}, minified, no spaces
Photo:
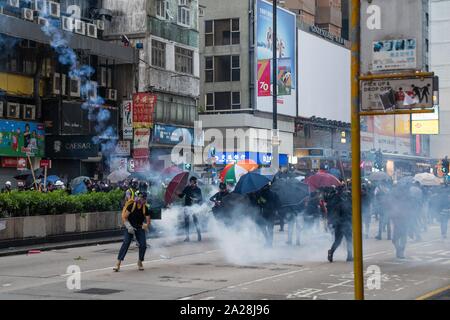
{"x":134,"y":214}
{"x":192,"y":195}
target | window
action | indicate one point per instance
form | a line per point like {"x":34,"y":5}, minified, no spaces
{"x":235,"y":31}
{"x":236,"y":100}
{"x":222,"y":66}
{"x":222,"y":100}
{"x":235,"y":68}
{"x":222,"y":32}
{"x":210,"y":101}
{"x":158,"y":54}
{"x":184,"y":60}
{"x":162,"y":9}
{"x":184,"y":16}
{"x":209,"y":33}
{"x":209,"y":69}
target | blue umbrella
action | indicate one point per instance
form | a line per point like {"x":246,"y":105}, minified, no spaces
{"x":335,"y":172}
{"x":79,"y":189}
{"x":53,"y":179}
{"x":251,"y":182}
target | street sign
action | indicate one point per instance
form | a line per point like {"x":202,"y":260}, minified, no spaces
{"x":46,"y":163}
{"x":397,"y":94}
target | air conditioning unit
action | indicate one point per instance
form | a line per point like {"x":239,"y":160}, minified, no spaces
{"x":75,"y":87}
{"x":54,"y":9}
{"x":42,"y":21}
{"x":38,"y":5}
{"x":100,"y":24}
{"x":91,"y":30}
{"x":2,"y":114}
{"x":27,"y":14}
{"x":183,"y":3}
{"x":80,"y":27}
{"x":29,"y":112}
{"x":102,"y":75}
{"x":14,"y":3}
{"x":112,"y":94}
{"x":13,"y":110}
{"x":68,"y":24}
{"x":56,"y":84}
{"x":92,"y":93}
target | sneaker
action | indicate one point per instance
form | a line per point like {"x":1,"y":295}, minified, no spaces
{"x":199,"y":237}
{"x":330,"y":256}
{"x":116,"y":268}
{"x":187,"y":239}
{"x":140,"y":266}
{"x":349,"y":259}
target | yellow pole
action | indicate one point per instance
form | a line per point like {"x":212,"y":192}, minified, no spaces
{"x":356,"y":149}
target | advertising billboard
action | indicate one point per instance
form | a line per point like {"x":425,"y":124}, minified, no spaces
{"x":71,"y":147}
{"x":127,"y":120}
{"x":143,"y":110}
{"x":394,"y":54}
{"x":326,"y":93}
{"x":260,"y":158}
{"x":141,"y":143}
{"x":426,"y":123}
{"x":21,"y":139}
{"x":286,"y":64}
{"x":172,"y":135}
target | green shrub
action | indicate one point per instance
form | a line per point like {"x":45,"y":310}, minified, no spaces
{"x":24,"y":203}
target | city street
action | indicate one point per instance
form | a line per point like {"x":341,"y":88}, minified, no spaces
{"x":202,"y":271}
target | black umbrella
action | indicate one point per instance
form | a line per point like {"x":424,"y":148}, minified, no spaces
{"x":291,"y":192}
{"x":28,"y":174}
{"x":251,"y":182}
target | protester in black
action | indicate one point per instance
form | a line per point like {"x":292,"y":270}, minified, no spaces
{"x":192,"y":195}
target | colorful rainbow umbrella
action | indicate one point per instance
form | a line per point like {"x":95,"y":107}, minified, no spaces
{"x":249,"y":165}
{"x":233,"y":172}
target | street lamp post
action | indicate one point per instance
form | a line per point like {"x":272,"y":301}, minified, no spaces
{"x":275,"y":138}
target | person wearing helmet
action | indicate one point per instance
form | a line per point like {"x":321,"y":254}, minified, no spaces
{"x":132,"y":188}
{"x":7,"y":188}
{"x":136,"y":219}
{"x":217,"y":198}
{"x":192,"y":195}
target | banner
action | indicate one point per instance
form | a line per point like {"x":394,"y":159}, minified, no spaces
{"x":71,"y":147}
{"x":20,"y":139}
{"x":127,"y":120}
{"x":286,"y":60}
{"x":394,"y":55}
{"x":143,"y":109}
{"x":173,"y":135}
{"x":123,"y":149}
{"x":141,"y":143}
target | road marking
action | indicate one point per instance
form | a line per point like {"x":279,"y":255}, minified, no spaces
{"x":186,"y":298}
{"x":208,"y":298}
{"x":341,"y":284}
{"x":267,"y":278}
{"x":433,"y":293}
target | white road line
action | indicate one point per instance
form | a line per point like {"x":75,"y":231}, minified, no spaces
{"x":186,"y":298}
{"x":267,"y":278}
{"x":208,"y":298}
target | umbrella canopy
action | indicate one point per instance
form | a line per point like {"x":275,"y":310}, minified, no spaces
{"x":118,"y":175}
{"x":251,"y":182}
{"x":335,"y":172}
{"x":321,"y":180}
{"x":176,"y":186}
{"x":427,"y":179}
{"x":79,"y":188}
{"x":248,"y":164}
{"x":379,"y":176}
{"x":27,"y":174}
{"x":291,"y":192}
{"x":78,"y":180}
{"x":232,"y":174}
{"x":53,"y":179}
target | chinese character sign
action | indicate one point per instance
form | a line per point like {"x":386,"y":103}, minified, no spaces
{"x":143,"y":109}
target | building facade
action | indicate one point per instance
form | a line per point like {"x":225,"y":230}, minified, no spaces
{"x":48,"y":87}
{"x":166,"y":34}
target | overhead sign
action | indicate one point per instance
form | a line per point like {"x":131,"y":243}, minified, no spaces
{"x":127,"y":120}
{"x":143,"y":109}
{"x":259,"y":158}
{"x":398,"y":94}
{"x":394,"y":55}
{"x":71,"y":147}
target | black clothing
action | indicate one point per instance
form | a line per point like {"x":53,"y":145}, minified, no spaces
{"x":340,"y":217}
{"x":193,"y":195}
{"x":137,"y":216}
{"x":218,"y":197}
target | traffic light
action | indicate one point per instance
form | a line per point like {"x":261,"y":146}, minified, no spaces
{"x":379,"y":160}
{"x":187,"y":166}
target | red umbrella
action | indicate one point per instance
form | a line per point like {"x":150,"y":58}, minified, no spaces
{"x":321,"y":180}
{"x":175,"y":187}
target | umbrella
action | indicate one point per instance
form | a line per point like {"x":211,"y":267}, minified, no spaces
{"x":251,"y":182}
{"x":175,"y":187}
{"x":78,"y":180}
{"x":248,"y":165}
{"x":291,"y":192}
{"x":27,"y":174}
{"x":232,"y":174}
{"x":379,"y":176}
{"x":267,"y":172}
{"x":118,"y":175}
{"x":427,"y":179}
{"x":322,"y":180}
{"x":335,"y":172}
{"x":79,"y":188}
{"x":53,"y":179}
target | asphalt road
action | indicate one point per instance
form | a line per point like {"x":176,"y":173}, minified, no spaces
{"x":228,"y":268}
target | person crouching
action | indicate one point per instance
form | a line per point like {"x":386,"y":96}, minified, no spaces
{"x":134,"y":214}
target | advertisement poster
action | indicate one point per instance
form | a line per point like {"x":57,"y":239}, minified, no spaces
{"x":426,"y":123}
{"x":21,"y":139}
{"x":286,"y":73}
{"x":143,"y":110}
{"x":394,"y":54}
{"x":141,"y":165}
{"x":141,"y":143}
{"x":127,"y":120}
{"x":123,"y":149}
{"x":173,"y":135}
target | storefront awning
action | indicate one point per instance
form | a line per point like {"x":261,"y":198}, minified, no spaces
{"x":23,"y":29}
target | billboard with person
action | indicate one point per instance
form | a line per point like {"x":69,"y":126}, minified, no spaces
{"x":20,"y":139}
{"x":286,"y":60}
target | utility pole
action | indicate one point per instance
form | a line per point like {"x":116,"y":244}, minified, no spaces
{"x":275,"y":138}
{"x":355,"y":32}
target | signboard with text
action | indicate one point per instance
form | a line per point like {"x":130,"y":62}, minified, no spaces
{"x":123,"y":149}
{"x":20,"y":139}
{"x":141,"y":143}
{"x":143,"y":110}
{"x":394,"y":54}
{"x":127,"y":120}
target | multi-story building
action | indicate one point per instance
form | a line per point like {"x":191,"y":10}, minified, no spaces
{"x":43,"y":103}
{"x":166,"y":33}
{"x":440,"y":64}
